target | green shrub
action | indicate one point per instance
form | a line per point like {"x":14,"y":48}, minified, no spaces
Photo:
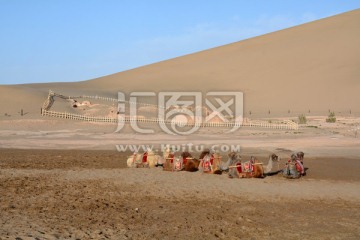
{"x":331,"y":118}
{"x":302,"y":119}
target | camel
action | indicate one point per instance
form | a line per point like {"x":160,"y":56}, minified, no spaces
{"x":294,"y":168}
{"x":183,"y":163}
{"x":210,"y":163}
{"x":251,"y":169}
{"x":190,"y":164}
{"x":155,"y":160}
{"x":147,"y":159}
{"x":135,"y":159}
{"x":268,"y":168}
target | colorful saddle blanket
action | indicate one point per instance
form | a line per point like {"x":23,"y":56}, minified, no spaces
{"x":144,"y":157}
{"x":178,"y":164}
{"x":290,"y":171}
{"x":248,"y":167}
{"x":207,"y":164}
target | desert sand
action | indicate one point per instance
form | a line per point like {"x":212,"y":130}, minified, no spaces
{"x":64,"y":193}
{"x":65,"y":179}
{"x":79,"y":194}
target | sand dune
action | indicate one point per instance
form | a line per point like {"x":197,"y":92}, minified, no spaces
{"x":83,"y":194}
{"x":314,"y":67}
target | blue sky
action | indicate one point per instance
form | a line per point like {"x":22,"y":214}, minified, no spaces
{"x":68,"y":40}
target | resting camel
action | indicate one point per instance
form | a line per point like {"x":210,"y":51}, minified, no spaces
{"x":135,"y":159}
{"x":268,"y":168}
{"x":190,"y":164}
{"x":294,"y":167}
{"x":251,"y":169}
{"x":183,"y":163}
{"x":210,"y":163}
{"x":147,"y":159}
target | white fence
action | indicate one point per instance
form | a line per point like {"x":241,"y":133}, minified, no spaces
{"x":283,"y":125}
{"x":45,"y":111}
{"x":116,"y":100}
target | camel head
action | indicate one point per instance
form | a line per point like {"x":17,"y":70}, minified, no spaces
{"x":300,"y":155}
{"x":234,"y":156}
{"x":166,"y":152}
{"x":204,"y":153}
{"x":186,"y":155}
{"x":216,"y":155}
{"x":253,"y":159}
{"x":274,"y":157}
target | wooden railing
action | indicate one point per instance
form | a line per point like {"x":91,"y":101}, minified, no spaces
{"x":287,"y":124}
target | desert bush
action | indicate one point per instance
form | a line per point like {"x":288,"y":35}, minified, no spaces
{"x":331,"y":118}
{"x":302,"y":119}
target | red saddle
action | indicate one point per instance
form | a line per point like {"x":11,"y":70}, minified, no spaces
{"x":144,"y":158}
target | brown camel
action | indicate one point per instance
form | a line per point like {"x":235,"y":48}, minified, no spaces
{"x":210,"y":163}
{"x":250,"y":169}
{"x":190,"y":164}
{"x":256,"y":169}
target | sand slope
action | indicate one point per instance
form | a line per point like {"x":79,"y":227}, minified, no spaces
{"x":312,"y":66}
